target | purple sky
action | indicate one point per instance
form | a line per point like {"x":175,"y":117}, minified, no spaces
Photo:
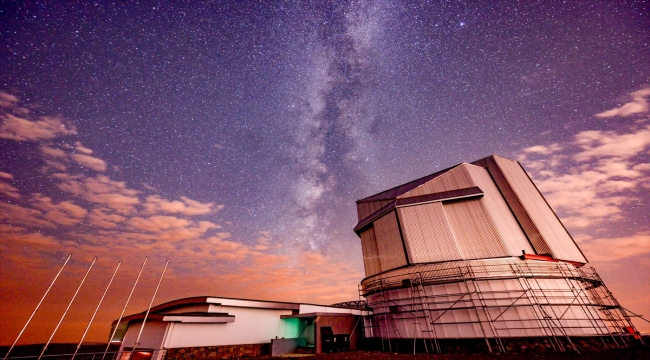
{"x":234,"y":138}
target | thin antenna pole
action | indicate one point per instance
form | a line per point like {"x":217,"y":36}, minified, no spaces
{"x":95,"y":313}
{"x":37,"y":306}
{"x":124,"y":309}
{"x":68,"y":308}
{"x":148,"y":309}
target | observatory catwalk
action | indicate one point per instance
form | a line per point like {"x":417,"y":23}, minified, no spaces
{"x":475,"y":252}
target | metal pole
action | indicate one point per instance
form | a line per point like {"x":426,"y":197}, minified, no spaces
{"x":66,"y":310}
{"x":124,"y":309}
{"x":148,"y":309}
{"x":37,"y":306}
{"x":95,"y":313}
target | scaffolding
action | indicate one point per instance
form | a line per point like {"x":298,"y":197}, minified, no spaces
{"x":494,"y":299}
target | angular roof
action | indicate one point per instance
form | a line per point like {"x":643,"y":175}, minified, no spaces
{"x":168,"y":309}
{"x":396,"y":191}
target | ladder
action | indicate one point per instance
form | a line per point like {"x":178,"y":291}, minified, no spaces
{"x":486,"y":310}
{"x":552,"y":322}
{"x":426,"y":310}
{"x":610,"y":307}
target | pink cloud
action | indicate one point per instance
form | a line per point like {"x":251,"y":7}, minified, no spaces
{"x":15,"y":214}
{"x":637,"y":105}
{"x":82,"y":149}
{"x":104,"y":218}
{"x":9,"y":190}
{"x":155,"y":204}
{"x":8,"y":100}
{"x":53,"y":152}
{"x":63,"y":213}
{"x":614,"y":249}
{"x":101,"y":190}
{"x":19,"y":129}
{"x":89,"y":161}
{"x":157,"y":223}
{"x":606,"y":174}
{"x":596,"y":144}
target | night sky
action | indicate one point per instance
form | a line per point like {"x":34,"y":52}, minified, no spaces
{"x":234,"y":139}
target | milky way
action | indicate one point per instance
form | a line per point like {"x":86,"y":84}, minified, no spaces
{"x":234,"y":137}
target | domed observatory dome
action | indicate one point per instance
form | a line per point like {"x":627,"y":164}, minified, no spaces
{"x":475,"y":251}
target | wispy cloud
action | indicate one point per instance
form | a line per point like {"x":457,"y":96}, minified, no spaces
{"x":605,"y":173}
{"x":100,"y":190}
{"x":638,"y":104}
{"x":19,"y":129}
{"x":155,"y":204}
{"x":89,"y":161}
{"x":19,"y":126}
{"x":7,"y":189}
{"x":615,"y":249}
{"x":82,"y":149}
{"x":595,"y":178}
{"x":100,"y":215}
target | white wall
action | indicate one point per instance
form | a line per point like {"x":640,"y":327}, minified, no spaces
{"x":251,"y":326}
{"x":514,"y":313}
{"x":307,"y":308}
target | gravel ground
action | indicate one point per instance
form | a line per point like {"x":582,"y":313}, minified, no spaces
{"x":619,"y":354}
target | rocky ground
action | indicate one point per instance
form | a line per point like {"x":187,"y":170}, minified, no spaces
{"x":619,"y":354}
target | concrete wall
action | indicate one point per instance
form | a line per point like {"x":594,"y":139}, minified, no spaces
{"x":286,"y":346}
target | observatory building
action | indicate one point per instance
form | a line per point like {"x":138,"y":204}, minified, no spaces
{"x":475,"y":251}
{"x":472,"y":252}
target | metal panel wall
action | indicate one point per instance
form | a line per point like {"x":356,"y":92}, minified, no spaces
{"x":427,"y":235}
{"x":499,"y":294}
{"x":370,"y":254}
{"x":504,"y":220}
{"x":517,"y":207}
{"x":456,"y":178}
{"x":475,"y":232}
{"x":389,"y":242}
{"x":364,"y":209}
{"x":546,"y":225}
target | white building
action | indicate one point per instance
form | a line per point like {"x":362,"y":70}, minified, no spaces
{"x":206,"y":321}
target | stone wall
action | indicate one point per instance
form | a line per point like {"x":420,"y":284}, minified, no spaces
{"x":218,"y":352}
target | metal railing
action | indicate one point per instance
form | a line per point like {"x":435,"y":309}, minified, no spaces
{"x":138,"y":354}
{"x":575,"y":301}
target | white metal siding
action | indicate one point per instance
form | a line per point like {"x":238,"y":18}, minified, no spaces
{"x":476,"y":234}
{"x":551,"y":231}
{"x":511,"y":234}
{"x":427,"y":235}
{"x":370,"y":255}
{"x":389,"y":242}
{"x":251,"y":326}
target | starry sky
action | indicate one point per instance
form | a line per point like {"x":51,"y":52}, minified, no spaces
{"x":234,"y":138}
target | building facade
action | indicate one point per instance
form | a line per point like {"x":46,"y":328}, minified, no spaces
{"x":475,"y":251}
{"x":235,"y":327}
